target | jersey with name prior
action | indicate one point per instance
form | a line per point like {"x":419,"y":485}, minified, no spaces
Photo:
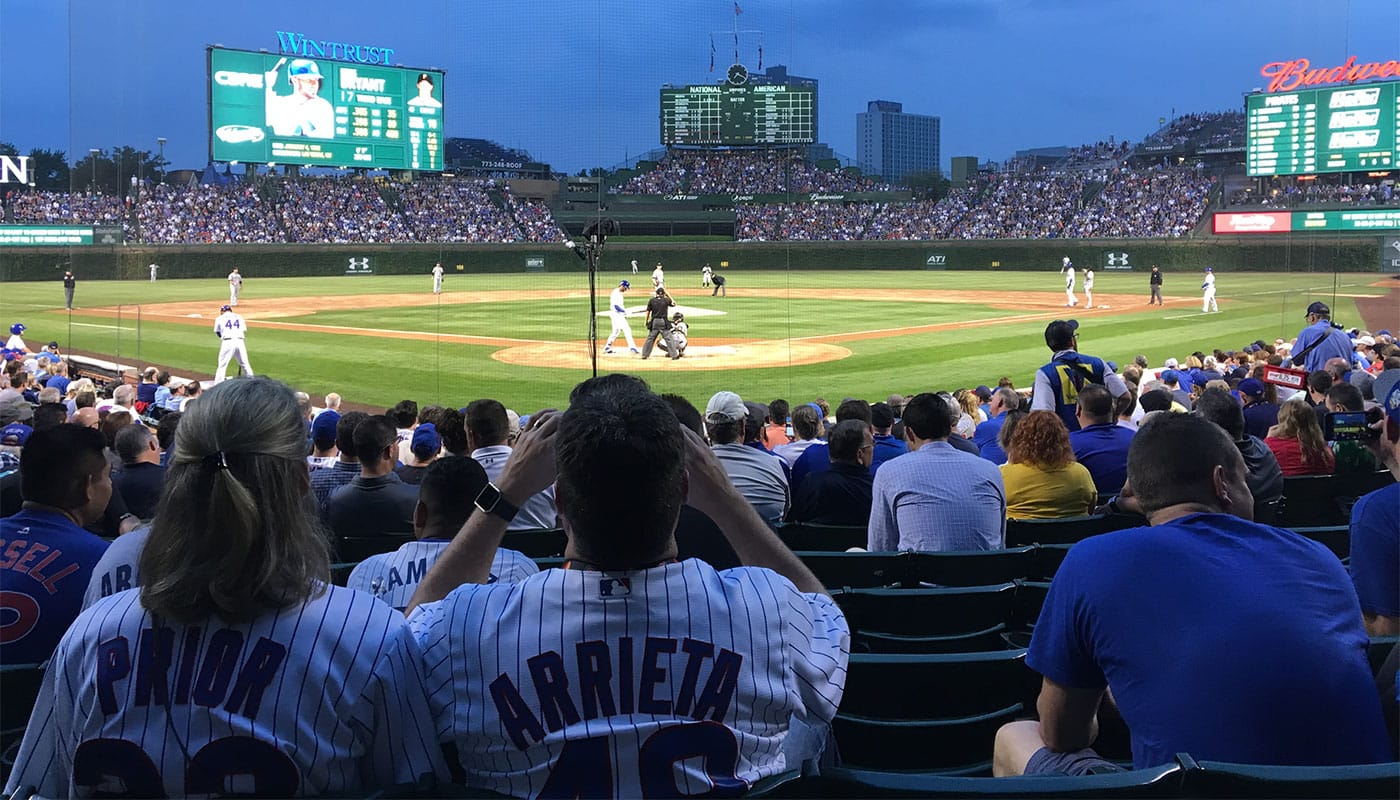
{"x":672,"y":680}
{"x":230,"y":326}
{"x":394,"y":577}
{"x":318,"y":698}
{"x":45,"y":562}
{"x":1068,"y":373}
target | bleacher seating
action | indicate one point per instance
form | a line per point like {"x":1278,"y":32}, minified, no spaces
{"x":945,"y":620}
{"x":1021,"y":532}
{"x":809,"y":536}
{"x":1324,"y":500}
{"x":845,"y":782}
{"x":357,"y":548}
{"x":1221,"y":780}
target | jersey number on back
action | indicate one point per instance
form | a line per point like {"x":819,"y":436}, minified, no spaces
{"x":233,"y":323}
{"x":232,"y":765}
{"x":585,"y":769}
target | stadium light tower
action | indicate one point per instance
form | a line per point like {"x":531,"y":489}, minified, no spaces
{"x":160,"y":142}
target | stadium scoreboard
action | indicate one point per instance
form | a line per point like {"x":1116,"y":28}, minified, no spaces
{"x":738,"y":115}
{"x":267,"y":108}
{"x":1323,"y":130}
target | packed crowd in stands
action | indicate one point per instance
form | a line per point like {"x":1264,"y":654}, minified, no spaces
{"x":166,"y":501}
{"x":66,"y":208}
{"x":1038,"y":205}
{"x":456,"y":211}
{"x":1281,"y":193}
{"x":742,"y":172}
{"x":1150,"y":203}
{"x":841,"y":222}
{"x":207,"y":214}
{"x":1225,"y":126}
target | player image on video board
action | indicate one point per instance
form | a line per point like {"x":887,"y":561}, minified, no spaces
{"x":303,"y":112}
{"x":425,"y":97}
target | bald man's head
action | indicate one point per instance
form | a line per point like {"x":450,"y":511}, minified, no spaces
{"x":86,"y":417}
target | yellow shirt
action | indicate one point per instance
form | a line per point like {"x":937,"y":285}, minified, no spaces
{"x":1035,"y":493}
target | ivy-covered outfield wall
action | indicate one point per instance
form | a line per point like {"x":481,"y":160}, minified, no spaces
{"x":1295,"y":253}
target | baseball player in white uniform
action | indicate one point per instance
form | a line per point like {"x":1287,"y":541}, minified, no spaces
{"x":154,"y":269}
{"x":235,"y":285}
{"x":705,"y":273}
{"x":1208,"y":293}
{"x":1068,"y":271}
{"x":617,"y":312}
{"x":641,"y":680}
{"x":231,"y":328}
{"x":634,"y":266}
{"x":658,"y":277}
{"x":1088,"y":287}
{"x":437,"y":278}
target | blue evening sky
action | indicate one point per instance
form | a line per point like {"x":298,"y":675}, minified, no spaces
{"x":575,"y":82}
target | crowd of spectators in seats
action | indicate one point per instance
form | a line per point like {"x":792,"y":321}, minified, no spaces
{"x":66,"y":208}
{"x":1095,"y":155}
{"x":216,"y":483}
{"x":1224,"y":127}
{"x":844,"y":222}
{"x":742,"y":172}
{"x":207,"y":214}
{"x":1282,"y":193}
{"x":1143,"y":204}
{"x":1023,"y":206}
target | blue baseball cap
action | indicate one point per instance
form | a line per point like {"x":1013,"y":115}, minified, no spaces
{"x":1169,"y":375}
{"x":625,"y":284}
{"x":426,"y":441}
{"x":1252,"y":387}
{"x":323,"y":427}
{"x":16,"y":433}
{"x":1387,"y":391}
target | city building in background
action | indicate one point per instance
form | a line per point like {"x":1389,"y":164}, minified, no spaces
{"x":892,"y":144}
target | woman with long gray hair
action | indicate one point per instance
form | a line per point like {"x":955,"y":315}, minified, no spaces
{"x":234,"y":667}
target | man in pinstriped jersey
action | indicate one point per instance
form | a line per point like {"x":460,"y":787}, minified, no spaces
{"x":626,"y":673}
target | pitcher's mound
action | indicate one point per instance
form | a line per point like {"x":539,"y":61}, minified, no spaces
{"x":698,"y":356}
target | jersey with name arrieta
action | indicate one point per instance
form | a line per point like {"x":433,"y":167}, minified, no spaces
{"x":45,"y":563}
{"x":322,"y":697}
{"x":676,"y":678}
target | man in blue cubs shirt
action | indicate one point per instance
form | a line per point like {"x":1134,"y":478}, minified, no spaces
{"x":1058,"y":383}
{"x":1320,"y":341}
{"x":1218,"y":637}
{"x":1375,"y":523}
{"x":46,"y":557}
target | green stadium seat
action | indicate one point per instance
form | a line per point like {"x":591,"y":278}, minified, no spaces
{"x":937,"y":686}
{"x":843,"y":782}
{"x":941,"y":620}
{"x":358,"y":548}
{"x":537,"y":543}
{"x":973,"y":567}
{"x":1030,"y":597}
{"x":1221,"y":780}
{"x":1048,"y":558}
{"x":962,"y":745}
{"x":1336,"y":537}
{"x":808,"y":536}
{"x":21,"y":685}
{"x":838,"y":570}
{"x":1021,"y":532}
{"x":1313,"y":501}
{"x":1379,"y":650}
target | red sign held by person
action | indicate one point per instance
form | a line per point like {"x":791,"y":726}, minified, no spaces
{"x":1288,"y":378}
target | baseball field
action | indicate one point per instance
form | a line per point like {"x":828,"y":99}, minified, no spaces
{"x":522,"y":338}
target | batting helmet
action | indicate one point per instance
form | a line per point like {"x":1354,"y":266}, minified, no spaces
{"x":17,"y":328}
{"x":303,"y":68}
{"x":225,"y":308}
{"x":625,"y":285}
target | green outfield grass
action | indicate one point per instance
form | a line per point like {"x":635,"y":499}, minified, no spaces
{"x":381,"y":371}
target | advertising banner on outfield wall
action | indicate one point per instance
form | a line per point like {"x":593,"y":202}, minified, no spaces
{"x":45,"y":235}
{"x":936,"y":261}
{"x":358,"y":265}
{"x":1117,"y":260}
{"x":1371,"y":219}
{"x":1390,"y":254}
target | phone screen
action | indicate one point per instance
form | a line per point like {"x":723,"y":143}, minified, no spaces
{"x":788,"y":429}
{"x":1345,"y":426}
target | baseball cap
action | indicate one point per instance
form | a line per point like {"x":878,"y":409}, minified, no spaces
{"x":426,"y":441}
{"x":1169,"y":376}
{"x":15,"y":409}
{"x":1369,"y":341}
{"x":1208,"y":269}
{"x":1171,"y":363}
{"x":225,"y":308}
{"x":1387,"y":389}
{"x":16,"y":433}
{"x":1364,"y":383}
{"x":625,"y":284}
{"x":54,"y":345}
{"x":1252,"y":387}
{"x":1318,"y":308}
{"x":725,"y":407}
{"x":1383,"y":332}
{"x":423,"y":76}
{"x":1061,"y":331}
{"x":1200,"y":378}
{"x":512,"y":423}
{"x":757,"y":413}
{"x":984,"y":393}
{"x":323,"y":427}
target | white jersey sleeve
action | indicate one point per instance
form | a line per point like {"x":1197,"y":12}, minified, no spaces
{"x":116,"y":571}
{"x":630,"y":684}
{"x":324,"y":697}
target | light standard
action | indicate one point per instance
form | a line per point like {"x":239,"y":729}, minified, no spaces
{"x":92,"y":152}
{"x":160,"y":141}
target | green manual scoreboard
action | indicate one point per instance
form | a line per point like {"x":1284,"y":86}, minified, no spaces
{"x":738,"y":115}
{"x":1323,"y":130}
{"x":267,"y":108}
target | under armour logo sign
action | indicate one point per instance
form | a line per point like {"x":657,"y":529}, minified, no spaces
{"x":358,"y":266}
{"x":1117,"y":259}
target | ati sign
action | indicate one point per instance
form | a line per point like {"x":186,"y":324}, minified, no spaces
{"x":1117,"y":259}
{"x":936,"y":261}
{"x":358,"y":266}
{"x":1390,"y":254}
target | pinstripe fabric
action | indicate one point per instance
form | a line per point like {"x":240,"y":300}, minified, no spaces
{"x":333,"y":685}
{"x":393,"y":577}
{"x":621,"y":682}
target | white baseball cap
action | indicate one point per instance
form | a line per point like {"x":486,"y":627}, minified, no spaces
{"x":725,"y":406}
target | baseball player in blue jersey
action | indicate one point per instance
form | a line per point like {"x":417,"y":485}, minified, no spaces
{"x":444,"y":502}
{"x":627,"y":673}
{"x":234,"y":668}
{"x":232,"y":331}
{"x":617,"y":312}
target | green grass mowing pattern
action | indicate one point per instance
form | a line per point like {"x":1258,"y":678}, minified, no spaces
{"x":382,"y":371}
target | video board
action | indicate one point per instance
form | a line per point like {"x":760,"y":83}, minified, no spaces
{"x":738,"y":115}
{"x":1323,"y":130}
{"x":267,"y":108}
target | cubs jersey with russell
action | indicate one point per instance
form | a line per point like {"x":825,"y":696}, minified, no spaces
{"x":393,"y":577}
{"x":232,"y":330}
{"x":676,"y":679}
{"x":322,"y":697}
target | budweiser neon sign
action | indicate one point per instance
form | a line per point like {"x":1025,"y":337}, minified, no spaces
{"x":1288,"y":75}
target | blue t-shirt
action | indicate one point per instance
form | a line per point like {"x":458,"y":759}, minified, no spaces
{"x":1219,"y":637}
{"x":886,"y":448}
{"x":1334,"y":344}
{"x":45,"y":563}
{"x":1375,"y":551}
{"x":1103,"y":450}
{"x":816,"y":458}
{"x":985,"y":437}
